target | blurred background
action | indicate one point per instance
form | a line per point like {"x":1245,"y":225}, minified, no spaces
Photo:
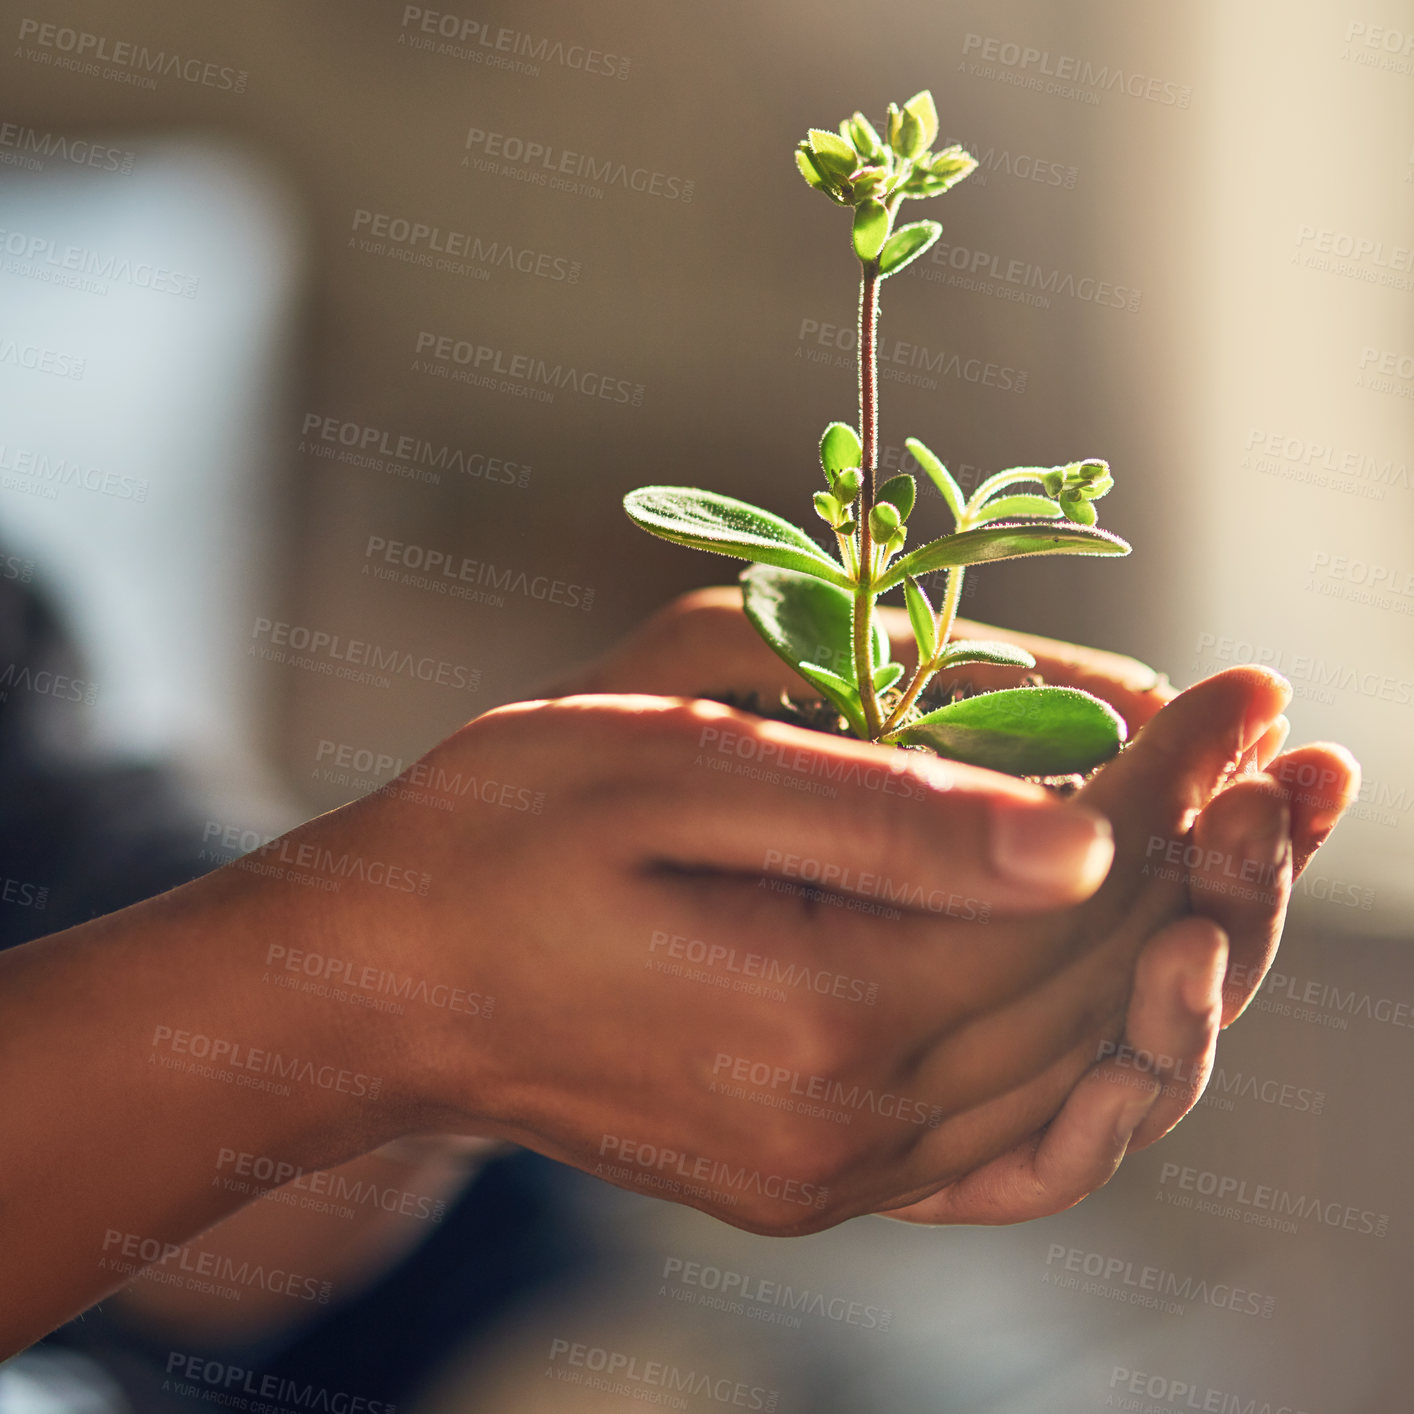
{"x":272,"y":280}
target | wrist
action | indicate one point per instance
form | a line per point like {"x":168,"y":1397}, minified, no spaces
{"x":322,"y":954}
{"x":151,"y":1038}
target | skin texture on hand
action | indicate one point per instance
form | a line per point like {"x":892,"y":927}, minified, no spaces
{"x":985,"y":1029}
{"x":966,"y":959}
{"x":709,"y":625}
{"x":1257,"y":835}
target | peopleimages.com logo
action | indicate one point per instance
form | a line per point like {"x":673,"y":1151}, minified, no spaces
{"x":83,"y":52}
{"x":561,"y":169}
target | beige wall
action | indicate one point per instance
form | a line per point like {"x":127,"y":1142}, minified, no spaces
{"x":1250,"y":125}
{"x":1247,"y":123}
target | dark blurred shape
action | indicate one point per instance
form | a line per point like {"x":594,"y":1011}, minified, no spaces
{"x":81,"y":837}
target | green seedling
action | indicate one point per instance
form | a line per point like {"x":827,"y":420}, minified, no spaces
{"x":817,"y":609}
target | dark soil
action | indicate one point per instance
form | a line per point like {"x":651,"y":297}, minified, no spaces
{"x":817,"y":715}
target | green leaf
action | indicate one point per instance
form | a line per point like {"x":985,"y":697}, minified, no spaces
{"x":1025,"y":731}
{"x":805,"y":620}
{"x":1077,"y":508}
{"x":900,"y":492}
{"x":863,"y":135}
{"x":910,"y":136}
{"x":847,"y":485}
{"x":1022,"y":505}
{"x":809,"y":170}
{"x":833,"y":154}
{"x":939,"y":475}
{"x":706,"y":521}
{"x":985,"y":650}
{"x":871,"y":228}
{"x":923,"y":108}
{"x":843,"y":694}
{"x":891,"y":127}
{"x":906,"y":244}
{"x":950,"y":166}
{"x":886,"y":676}
{"x":839,"y":447}
{"x":921,"y":616}
{"x":1007,"y":540}
{"x":920,"y":184}
{"x":828,"y":508}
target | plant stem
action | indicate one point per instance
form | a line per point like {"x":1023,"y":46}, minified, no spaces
{"x":946,"y":616}
{"x":869,"y":457}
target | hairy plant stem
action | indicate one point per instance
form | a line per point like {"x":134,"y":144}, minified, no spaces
{"x":869,"y":459}
{"x":946,"y":617}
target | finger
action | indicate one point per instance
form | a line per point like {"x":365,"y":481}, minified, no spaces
{"x":1273,"y":739}
{"x":1239,"y":877}
{"x":1151,"y":793}
{"x":698,"y":643}
{"x":1320,"y":783}
{"x":1060,"y":1015}
{"x":1077,"y":1153}
{"x":833,"y":813}
{"x":1171,"y":1030}
{"x":1124,"y":1102}
{"x":1186,"y":752}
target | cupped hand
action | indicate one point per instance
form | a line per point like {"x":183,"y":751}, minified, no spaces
{"x":702,"y":641}
{"x":677,"y":1015}
{"x":1231,"y":860}
{"x":626,"y":881}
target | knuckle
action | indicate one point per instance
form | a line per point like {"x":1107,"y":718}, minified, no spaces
{"x":673,"y":719}
{"x":815,"y":1043}
{"x":708,"y":608}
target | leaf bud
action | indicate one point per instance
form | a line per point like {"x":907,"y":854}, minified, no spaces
{"x":847,"y":484}
{"x":925,"y":113}
{"x":883,"y":521}
{"x":835,"y":158}
{"x":861,"y":134}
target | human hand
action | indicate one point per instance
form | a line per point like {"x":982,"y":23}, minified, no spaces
{"x":983,"y":1029}
{"x":701,"y":642}
{"x":1240,"y":857}
{"x":703,"y":637}
{"x":642,"y":848}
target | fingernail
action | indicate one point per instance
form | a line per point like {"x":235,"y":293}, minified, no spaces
{"x":1047,"y":846}
{"x":1269,"y":842}
{"x":1202,"y":987}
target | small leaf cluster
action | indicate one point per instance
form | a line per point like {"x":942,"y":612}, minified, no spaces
{"x":855,"y":167}
{"x":817,"y":610}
